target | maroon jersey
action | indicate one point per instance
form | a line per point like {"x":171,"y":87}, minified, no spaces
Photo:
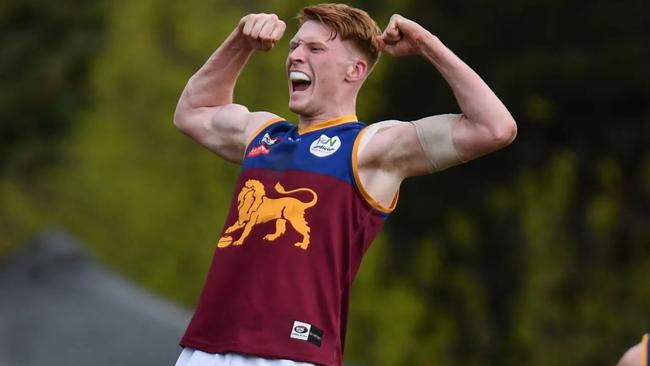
{"x":298,"y":226}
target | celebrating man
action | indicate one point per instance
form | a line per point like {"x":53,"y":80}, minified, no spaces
{"x":311,"y":197}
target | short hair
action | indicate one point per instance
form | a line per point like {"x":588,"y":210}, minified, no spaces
{"x":349,"y":23}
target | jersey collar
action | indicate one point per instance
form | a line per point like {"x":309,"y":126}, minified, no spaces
{"x":329,"y":123}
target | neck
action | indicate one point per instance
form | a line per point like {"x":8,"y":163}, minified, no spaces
{"x":305,"y":121}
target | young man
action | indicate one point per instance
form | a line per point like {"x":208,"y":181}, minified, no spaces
{"x":311,"y":198}
{"x":637,"y":355}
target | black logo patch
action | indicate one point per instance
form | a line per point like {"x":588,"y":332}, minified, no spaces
{"x":315,"y":336}
{"x":306,"y":332}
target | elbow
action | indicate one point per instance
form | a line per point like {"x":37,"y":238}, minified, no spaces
{"x":184,"y":115}
{"x":180,"y":122}
{"x":184,"y":111}
{"x":504,"y":133}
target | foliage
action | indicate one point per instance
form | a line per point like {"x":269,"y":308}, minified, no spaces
{"x":45,"y":50}
{"x":45,"y":53}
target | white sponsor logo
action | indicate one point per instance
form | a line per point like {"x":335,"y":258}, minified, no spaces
{"x":267,"y":140}
{"x":300,"y":330}
{"x":325,"y":146}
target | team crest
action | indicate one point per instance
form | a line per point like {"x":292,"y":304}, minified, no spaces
{"x":254,"y":207}
{"x":325,"y":146}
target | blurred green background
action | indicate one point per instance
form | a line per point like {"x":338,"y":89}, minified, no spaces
{"x":536,"y":255}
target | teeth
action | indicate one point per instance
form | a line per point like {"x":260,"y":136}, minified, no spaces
{"x":299,"y":76}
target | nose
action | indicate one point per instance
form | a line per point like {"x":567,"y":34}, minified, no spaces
{"x":296,"y":55}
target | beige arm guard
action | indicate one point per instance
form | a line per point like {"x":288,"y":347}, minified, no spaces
{"x":436,"y":140}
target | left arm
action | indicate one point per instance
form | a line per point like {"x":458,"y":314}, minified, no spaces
{"x":401,"y":150}
{"x":485,"y":124}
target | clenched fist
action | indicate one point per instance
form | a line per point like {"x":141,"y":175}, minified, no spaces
{"x":402,"y":37}
{"x":262,"y":31}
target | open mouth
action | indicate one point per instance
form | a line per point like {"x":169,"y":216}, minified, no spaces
{"x":299,"y":80}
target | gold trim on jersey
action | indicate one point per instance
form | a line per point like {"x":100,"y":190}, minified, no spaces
{"x":329,"y":123}
{"x":371,"y":201}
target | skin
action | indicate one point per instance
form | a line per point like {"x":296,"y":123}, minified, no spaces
{"x":633,"y":356}
{"x":206,"y":111}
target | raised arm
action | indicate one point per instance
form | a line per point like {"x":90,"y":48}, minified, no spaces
{"x":399,"y":150}
{"x":205,"y":110}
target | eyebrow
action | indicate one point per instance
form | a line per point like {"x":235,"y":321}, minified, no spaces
{"x":309,"y":43}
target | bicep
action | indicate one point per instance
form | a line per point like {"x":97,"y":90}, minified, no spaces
{"x":223,"y":130}
{"x":473,"y":139}
{"x":447,"y":140}
{"x":415,"y":148}
{"x":432,"y":143}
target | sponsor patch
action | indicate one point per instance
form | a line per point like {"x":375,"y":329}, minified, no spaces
{"x":325,"y":146}
{"x":257,"y":151}
{"x":306,"y":332}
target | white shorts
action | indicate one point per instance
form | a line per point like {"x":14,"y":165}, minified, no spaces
{"x":193,"y":357}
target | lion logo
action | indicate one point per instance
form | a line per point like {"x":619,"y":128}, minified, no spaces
{"x":255,"y":207}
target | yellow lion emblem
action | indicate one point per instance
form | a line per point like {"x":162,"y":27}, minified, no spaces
{"x":255,"y":207}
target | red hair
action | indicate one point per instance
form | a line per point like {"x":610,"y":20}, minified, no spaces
{"x":349,"y":23}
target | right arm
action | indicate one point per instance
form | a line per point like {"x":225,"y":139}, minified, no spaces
{"x":205,"y":111}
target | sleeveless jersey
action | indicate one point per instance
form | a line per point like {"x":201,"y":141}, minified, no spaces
{"x":299,"y":224}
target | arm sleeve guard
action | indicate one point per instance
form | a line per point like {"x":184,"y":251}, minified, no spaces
{"x":436,"y":140}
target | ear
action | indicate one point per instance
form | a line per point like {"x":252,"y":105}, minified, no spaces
{"x":357,"y":70}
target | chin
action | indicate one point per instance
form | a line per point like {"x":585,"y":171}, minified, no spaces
{"x":297,"y":108}
{"x":294,"y":109}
